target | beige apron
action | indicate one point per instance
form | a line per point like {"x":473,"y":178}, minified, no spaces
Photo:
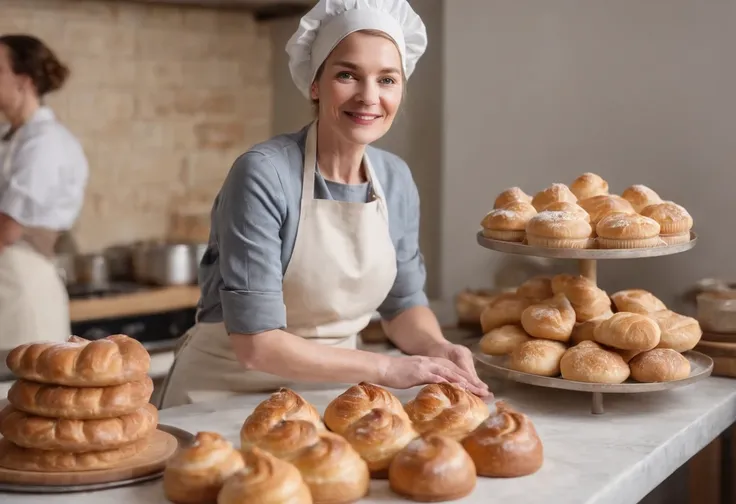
{"x":34,"y":304}
{"x":342,"y":268}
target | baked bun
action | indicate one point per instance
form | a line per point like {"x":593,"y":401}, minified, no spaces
{"x":79,"y":436}
{"x":555,"y":192}
{"x":637,"y":301}
{"x":552,"y":319}
{"x":196,"y":474}
{"x":659,"y":365}
{"x":674,"y":221}
{"x":588,"y":185}
{"x":627,"y":231}
{"x":538,"y":357}
{"x":18,"y":458}
{"x":566,"y":206}
{"x":680,"y":333}
{"x":503,"y":310}
{"x":626,"y":355}
{"x":558,"y":230}
{"x":80,"y":403}
{"x":358,"y":401}
{"x":585,"y":331}
{"x":79,"y":362}
{"x":333,"y":470}
{"x":285,"y":404}
{"x":265,"y":480}
{"x":589,"y":362}
{"x":628,"y":331}
{"x":640,"y":196}
{"x":505,"y":445}
{"x":378,"y":437}
{"x":508,"y":223}
{"x":511,"y":195}
{"x":599,"y":207}
{"x":287,"y":438}
{"x":432,"y":468}
{"x":537,"y":288}
{"x":502,"y":340}
{"x":587,"y":299}
{"x":447,"y":410}
{"x":469,"y":304}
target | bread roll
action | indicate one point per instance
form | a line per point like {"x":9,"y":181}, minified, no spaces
{"x":333,"y":470}
{"x":589,"y":362}
{"x":659,"y":365}
{"x":511,"y":195}
{"x":628,"y":331}
{"x":585,"y":331}
{"x":18,"y":458}
{"x":265,"y":480}
{"x":555,"y":192}
{"x":432,"y":468}
{"x":196,"y":474}
{"x":679,"y":332}
{"x":640,"y":196}
{"x":627,"y":231}
{"x":587,"y":299}
{"x":601,"y":206}
{"x":286,"y":438}
{"x":505,"y":309}
{"x":285,"y":404}
{"x":566,"y":206}
{"x":674,"y":221}
{"x":537,"y":288}
{"x":447,"y":410}
{"x":503,"y":340}
{"x":505,"y":445}
{"x":552,"y":319}
{"x":637,"y":301}
{"x":469,"y":304}
{"x":538,"y":357}
{"x":626,"y":355}
{"x":89,"y":403}
{"x":378,"y":437}
{"x":508,"y":222}
{"x":558,"y":230}
{"x":358,"y":401}
{"x":77,"y":436}
{"x":79,"y":362}
{"x":588,"y":185}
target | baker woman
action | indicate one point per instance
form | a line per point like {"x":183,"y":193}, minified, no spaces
{"x":313,"y":232}
{"x":43,"y":174}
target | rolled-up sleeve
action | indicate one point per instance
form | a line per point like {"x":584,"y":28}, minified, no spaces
{"x":250,"y":214}
{"x":411,"y":274}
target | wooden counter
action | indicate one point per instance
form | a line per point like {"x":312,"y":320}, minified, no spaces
{"x":137,"y":303}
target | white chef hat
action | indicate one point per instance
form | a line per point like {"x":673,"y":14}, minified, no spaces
{"x":330,"y":21}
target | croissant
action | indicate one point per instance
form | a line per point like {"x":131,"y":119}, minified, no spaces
{"x":446,"y":409}
{"x":19,"y":458}
{"x":432,"y":468}
{"x":196,"y":474}
{"x":505,"y":445}
{"x":282,"y":405}
{"x":378,"y":437}
{"x":79,"y":436}
{"x":287,"y":438}
{"x":333,"y":470}
{"x":265,"y":480}
{"x":356,"y":402}
{"x":77,"y":403}
{"x":79,"y":362}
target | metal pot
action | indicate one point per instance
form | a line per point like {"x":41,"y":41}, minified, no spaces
{"x":120,"y":262}
{"x":91,"y":270}
{"x":168,"y":264}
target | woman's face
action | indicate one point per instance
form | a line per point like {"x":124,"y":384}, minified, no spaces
{"x":360,"y":88}
{"x":12,"y":86}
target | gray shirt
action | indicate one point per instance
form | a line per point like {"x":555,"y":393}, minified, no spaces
{"x":254,"y":225}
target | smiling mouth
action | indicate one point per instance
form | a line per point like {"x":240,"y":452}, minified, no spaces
{"x":363,"y":117}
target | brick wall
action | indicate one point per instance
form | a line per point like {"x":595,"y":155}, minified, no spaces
{"x":163,"y":99}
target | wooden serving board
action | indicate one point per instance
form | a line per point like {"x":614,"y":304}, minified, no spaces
{"x":723,"y":355}
{"x":151,"y":460}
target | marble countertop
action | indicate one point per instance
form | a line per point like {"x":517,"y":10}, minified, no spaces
{"x":615,"y":458}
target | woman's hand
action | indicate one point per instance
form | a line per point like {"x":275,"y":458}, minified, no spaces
{"x":407,"y":372}
{"x":462,"y":357}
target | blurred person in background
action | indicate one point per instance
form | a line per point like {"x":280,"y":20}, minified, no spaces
{"x":43,"y":175}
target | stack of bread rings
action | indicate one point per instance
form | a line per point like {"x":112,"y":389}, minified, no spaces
{"x":566,"y":326}
{"x":586,"y":215}
{"x":431,"y":449}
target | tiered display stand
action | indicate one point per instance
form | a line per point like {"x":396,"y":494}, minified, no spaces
{"x":701,"y":365}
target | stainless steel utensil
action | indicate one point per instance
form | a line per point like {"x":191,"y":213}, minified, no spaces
{"x":91,"y":270}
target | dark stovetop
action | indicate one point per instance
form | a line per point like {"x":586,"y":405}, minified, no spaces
{"x":112,"y":289}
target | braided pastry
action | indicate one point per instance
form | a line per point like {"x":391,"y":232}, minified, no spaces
{"x":446,"y":409}
{"x":81,"y":363}
{"x":196,"y":474}
{"x":287,"y":438}
{"x":505,"y":445}
{"x":356,"y":402}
